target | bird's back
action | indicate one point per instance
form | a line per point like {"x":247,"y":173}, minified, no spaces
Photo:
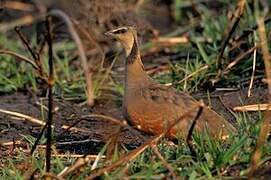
{"x":156,"y":107}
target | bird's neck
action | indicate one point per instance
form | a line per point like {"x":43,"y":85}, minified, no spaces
{"x":136,"y":76}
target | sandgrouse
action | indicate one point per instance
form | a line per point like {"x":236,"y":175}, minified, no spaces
{"x":153,"y":107}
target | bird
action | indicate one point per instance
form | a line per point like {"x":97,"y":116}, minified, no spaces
{"x":152,"y":107}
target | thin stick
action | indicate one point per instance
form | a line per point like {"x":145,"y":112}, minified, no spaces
{"x":80,"y":162}
{"x":73,"y":129}
{"x":11,"y":143}
{"x":25,"y":42}
{"x":92,"y":157}
{"x":50,"y":93}
{"x":189,"y":139}
{"x":253,"y":68}
{"x":186,"y":71}
{"x":34,"y":54}
{"x":23,"y":116}
{"x":230,"y":30}
{"x":42,"y":44}
{"x":111,"y":119}
{"x":38,"y":139}
{"x":234,"y":62}
{"x":20,"y":57}
{"x":27,"y":60}
{"x":253,"y":107}
{"x":74,"y":142}
{"x":194,"y":73}
{"x":190,"y":76}
{"x":165,"y":163}
{"x":265,"y":127}
{"x":171,"y":40}
{"x":82,"y":54}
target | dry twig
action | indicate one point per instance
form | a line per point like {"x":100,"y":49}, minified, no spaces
{"x":50,"y":92}
{"x":230,"y":30}
{"x":235,"y":61}
{"x":253,"y":107}
{"x":228,"y":33}
{"x":166,"y":164}
{"x":194,"y":73}
{"x":20,"y":57}
{"x":265,"y":127}
{"x":172,"y":40}
{"x":38,"y":139}
{"x":82,"y":54}
{"x":80,"y":162}
{"x":35,"y":55}
{"x":189,"y":139}
{"x":23,"y":116}
{"x":91,"y":157}
{"x":253,"y":70}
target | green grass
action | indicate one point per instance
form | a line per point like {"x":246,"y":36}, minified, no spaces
{"x":70,"y":81}
{"x":212,"y":31}
{"x":69,"y":78}
{"x":214,"y":160}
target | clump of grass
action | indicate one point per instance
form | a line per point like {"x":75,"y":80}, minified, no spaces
{"x":15,"y":76}
{"x":211,"y":31}
{"x":214,"y":159}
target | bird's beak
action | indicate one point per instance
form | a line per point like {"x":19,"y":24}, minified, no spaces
{"x":109,"y":33}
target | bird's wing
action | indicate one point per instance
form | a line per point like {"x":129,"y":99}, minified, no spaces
{"x":178,"y":103}
{"x":162,"y":94}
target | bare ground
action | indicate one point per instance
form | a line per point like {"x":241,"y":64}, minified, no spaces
{"x":94,"y":132}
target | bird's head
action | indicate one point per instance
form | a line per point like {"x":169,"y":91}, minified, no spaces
{"x":127,"y":36}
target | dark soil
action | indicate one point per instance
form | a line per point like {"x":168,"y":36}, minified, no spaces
{"x":223,"y":102}
{"x":95,"y":132}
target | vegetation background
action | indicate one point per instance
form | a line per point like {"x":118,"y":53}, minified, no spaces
{"x":216,"y":50}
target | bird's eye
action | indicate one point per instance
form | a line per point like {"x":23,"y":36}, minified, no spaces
{"x":120,"y":31}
